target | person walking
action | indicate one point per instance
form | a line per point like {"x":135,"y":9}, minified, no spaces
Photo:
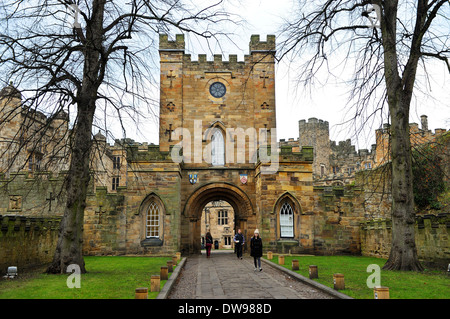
{"x":208,"y":244}
{"x":239,"y":241}
{"x":256,"y":249}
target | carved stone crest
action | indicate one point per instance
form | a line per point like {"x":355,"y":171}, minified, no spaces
{"x":15,"y":202}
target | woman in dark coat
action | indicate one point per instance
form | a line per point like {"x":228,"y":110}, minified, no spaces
{"x":256,"y":249}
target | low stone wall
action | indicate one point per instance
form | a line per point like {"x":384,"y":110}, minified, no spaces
{"x":431,"y":232}
{"x":26,"y":242}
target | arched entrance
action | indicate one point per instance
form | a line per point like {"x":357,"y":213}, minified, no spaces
{"x":245,"y":215}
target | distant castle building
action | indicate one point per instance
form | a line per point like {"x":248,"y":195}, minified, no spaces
{"x":29,"y":140}
{"x":337,"y":163}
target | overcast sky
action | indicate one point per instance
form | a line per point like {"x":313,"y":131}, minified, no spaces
{"x":328,"y":102}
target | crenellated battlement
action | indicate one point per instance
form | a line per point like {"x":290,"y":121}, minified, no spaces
{"x":217,"y":59}
{"x":256,"y":45}
{"x":313,"y":123}
{"x":167,"y":45}
{"x":15,"y":223}
{"x":287,"y":152}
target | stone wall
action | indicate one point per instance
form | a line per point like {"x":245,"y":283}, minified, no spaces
{"x":338,"y":213}
{"x":431,"y":232}
{"x":292,"y":183}
{"x":39,"y":196}
{"x":26,"y":242}
{"x":104,"y":223}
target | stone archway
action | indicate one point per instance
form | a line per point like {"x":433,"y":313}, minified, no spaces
{"x":245,"y":214}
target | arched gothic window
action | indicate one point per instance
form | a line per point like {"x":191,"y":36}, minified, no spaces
{"x":152,"y":226}
{"x":217,"y":148}
{"x":286,"y":220}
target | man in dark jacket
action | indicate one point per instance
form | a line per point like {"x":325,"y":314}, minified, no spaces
{"x":238,"y":243}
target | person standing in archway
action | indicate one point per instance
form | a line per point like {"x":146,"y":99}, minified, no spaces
{"x":256,"y":249}
{"x":208,"y":244}
{"x":239,"y":243}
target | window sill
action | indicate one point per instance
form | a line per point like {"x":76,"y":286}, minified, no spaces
{"x":288,"y":241}
{"x":151,"y":242}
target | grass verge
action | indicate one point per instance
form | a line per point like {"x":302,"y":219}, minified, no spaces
{"x":429,"y":284}
{"x":108,"y":277}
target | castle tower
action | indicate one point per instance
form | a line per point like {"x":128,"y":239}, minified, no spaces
{"x":10,"y":124}
{"x":171,"y":85}
{"x":199,"y":95}
{"x":263,"y":72}
{"x":316,"y":133}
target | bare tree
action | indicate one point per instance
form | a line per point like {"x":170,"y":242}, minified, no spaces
{"x":386,"y":41}
{"x":79,"y":55}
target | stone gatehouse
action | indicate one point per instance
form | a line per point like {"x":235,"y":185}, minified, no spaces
{"x":217,"y":142}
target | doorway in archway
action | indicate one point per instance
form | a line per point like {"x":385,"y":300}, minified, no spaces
{"x":218,"y":220}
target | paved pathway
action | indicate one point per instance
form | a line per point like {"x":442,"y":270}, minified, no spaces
{"x":224,"y":276}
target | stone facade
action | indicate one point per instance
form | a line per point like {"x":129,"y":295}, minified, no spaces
{"x":178,"y":177}
{"x":217,"y":143}
{"x":30,"y":141}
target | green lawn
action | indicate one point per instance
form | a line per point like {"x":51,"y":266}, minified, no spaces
{"x":430,"y":284}
{"x":117,"y":277}
{"x":107,"y":278}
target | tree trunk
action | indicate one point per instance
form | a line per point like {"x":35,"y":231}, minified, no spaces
{"x":70,"y":240}
{"x":403,"y":255}
{"x":69,"y":248}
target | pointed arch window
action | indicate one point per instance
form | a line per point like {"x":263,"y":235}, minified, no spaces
{"x":217,"y":148}
{"x":286,"y":220}
{"x":152,"y":229}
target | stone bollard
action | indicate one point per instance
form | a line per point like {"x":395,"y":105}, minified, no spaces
{"x":164,"y":273}
{"x":170,"y":265}
{"x":141,"y":293}
{"x":338,"y":281}
{"x":155,"y":283}
{"x":269,"y":255}
{"x":281,"y":260}
{"x":313,"y":272}
{"x":175,"y":260}
{"x":380,"y":292}
{"x":295,"y":264}
{"x":178,"y":256}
